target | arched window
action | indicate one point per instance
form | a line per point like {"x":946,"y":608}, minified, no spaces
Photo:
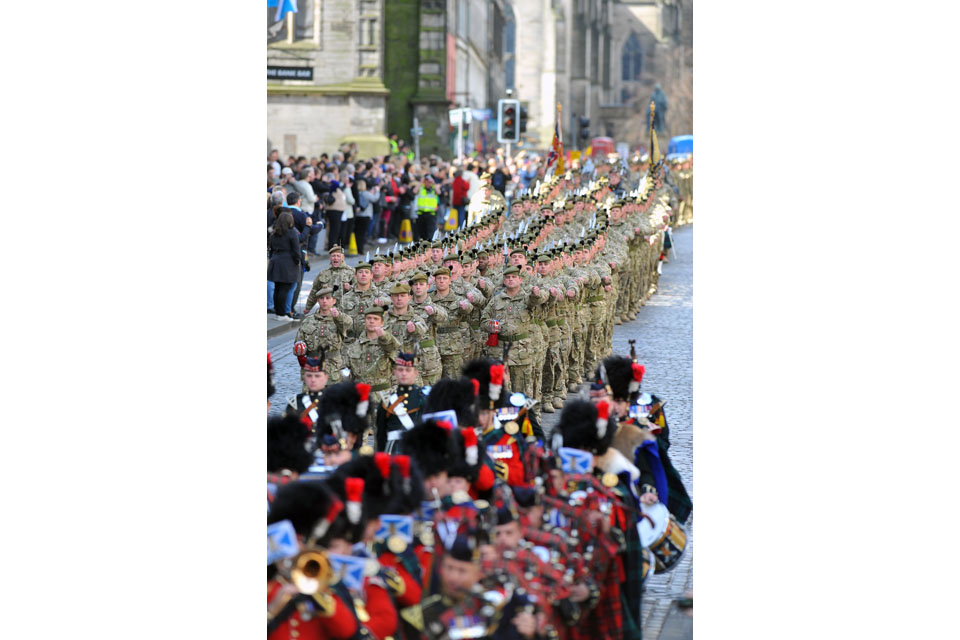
{"x":632,"y":59}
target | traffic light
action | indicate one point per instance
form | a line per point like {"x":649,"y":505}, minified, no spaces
{"x":584,"y":128}
{"x":508,"y":121}
{"x":523,"y":119}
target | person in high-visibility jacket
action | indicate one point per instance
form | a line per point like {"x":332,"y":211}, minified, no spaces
{"x":427,"y":203}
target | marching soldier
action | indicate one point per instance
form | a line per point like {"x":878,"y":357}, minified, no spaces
{"x":400,"y":405}
{"x":304,"y":405}
{"x":453,"y":333}
{"x":361,"y":296}
{"x":335,"y":277}
{"x":434,"y":316}
{"x":400,"y":321}
{"x":326,"y":329}
{"x":507,"y":318}
{"x":371,"y":357}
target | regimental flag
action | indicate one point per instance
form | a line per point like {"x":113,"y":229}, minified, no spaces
{"x":556,"y":148}
{"x":349,"y":570}
{"x":575,"y":460}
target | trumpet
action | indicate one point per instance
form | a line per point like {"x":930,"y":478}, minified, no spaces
{"x":310,"y":571}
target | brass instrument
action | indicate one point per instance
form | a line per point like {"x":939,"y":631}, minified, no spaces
{"x":310,"y":571}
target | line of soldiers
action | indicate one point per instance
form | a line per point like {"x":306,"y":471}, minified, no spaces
{"x":460,"y":518}
{"x":551,"y":277}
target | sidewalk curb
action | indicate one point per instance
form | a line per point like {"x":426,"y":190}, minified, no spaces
{"x":281,"y":329}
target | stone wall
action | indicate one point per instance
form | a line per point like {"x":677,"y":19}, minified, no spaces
{"x":318,"y":124}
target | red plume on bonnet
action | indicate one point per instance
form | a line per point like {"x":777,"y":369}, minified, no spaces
{"x":403,"y":463}
{"x":353,"y":487}
{"x":638,"y":371}
{"x":470,"y":446}
{"x":382,"y":460}
{"x":364,"y":390}
{"x":476,"y":386}
{"x":445,"y":424}
{"x":603,"y":415}
{"x":496,"y":381}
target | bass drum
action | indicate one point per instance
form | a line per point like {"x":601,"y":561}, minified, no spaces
{"x":662,"y":535}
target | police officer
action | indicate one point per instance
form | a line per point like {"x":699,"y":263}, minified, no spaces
{"x":427,"y":203}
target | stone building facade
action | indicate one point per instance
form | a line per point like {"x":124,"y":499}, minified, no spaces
{"x":341,"y":42}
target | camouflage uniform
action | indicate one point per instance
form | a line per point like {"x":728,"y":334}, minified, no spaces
{"x":396,"y":324}
{"x":331,"y":276}
{"x":478,"y":334}
{"x":371,"y":361}
{"x":513,"y":314}
{"x":431,"y":366}
{"x":328,"y":332}
{"x":354,"y":304}
{"x":453,"y":334}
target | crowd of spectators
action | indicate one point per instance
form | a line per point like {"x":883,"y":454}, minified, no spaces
{"x":337,"y":195}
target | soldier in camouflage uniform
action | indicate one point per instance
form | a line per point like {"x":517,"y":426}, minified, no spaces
{"x":407,"y":327}
{"x":360,"y":298}
{"x":431,"y":366}
{"x":508,"y":316}
{"x":537,"y":326}
{"x":370,"y":358}
{"x":336,"y":275}
{"x":327,"y":329}
{"x":453,"y":334}
{"x":464,"y":289}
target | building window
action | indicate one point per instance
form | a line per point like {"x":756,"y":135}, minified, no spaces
{"x":300,"y":27}
{"x":632,"y":59}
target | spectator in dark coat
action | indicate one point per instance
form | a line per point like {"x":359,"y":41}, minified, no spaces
{"x":284,"y":262}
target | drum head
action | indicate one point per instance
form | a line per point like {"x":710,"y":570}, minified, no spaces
{"x":649,"y":534}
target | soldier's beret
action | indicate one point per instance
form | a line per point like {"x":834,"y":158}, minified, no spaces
{"x":466,"y":257}
{"x":518,"y":250}
{"x":335,"y":249}
{"x":442,"y":271}
{"x":400,"y":288}
{"x":510,"y":270}
{"x":436,"y":245}
{"x":418,"y":277}
{"x":544,"y":258}
{"x":373,"y":311}
{"x":482,"y":253}
{"x":363,"y":265}
{"x":326,"y":291}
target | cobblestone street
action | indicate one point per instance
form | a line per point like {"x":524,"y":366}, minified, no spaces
{"x":663,"y":331}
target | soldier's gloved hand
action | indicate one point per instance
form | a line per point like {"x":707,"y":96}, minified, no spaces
{"x":463,"y":304}
{"x":470,"y":296}
{"x":430,"y":310}
{"x":482,"y":284}
{"x":300,"y":348}
{"x":411,"y":327}
{"x":606,"y":279}
{"x":613,"y":265}
{"x":334,"y":312}
{"x":607,"y":287}
{"x":346,"y":286}
{"x":571,"y":293}
{"x":379,"y":302}
{"x":501,"y":470}
{"x":554,"y":292}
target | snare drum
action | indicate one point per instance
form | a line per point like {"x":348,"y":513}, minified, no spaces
{"x":663,"y":535}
